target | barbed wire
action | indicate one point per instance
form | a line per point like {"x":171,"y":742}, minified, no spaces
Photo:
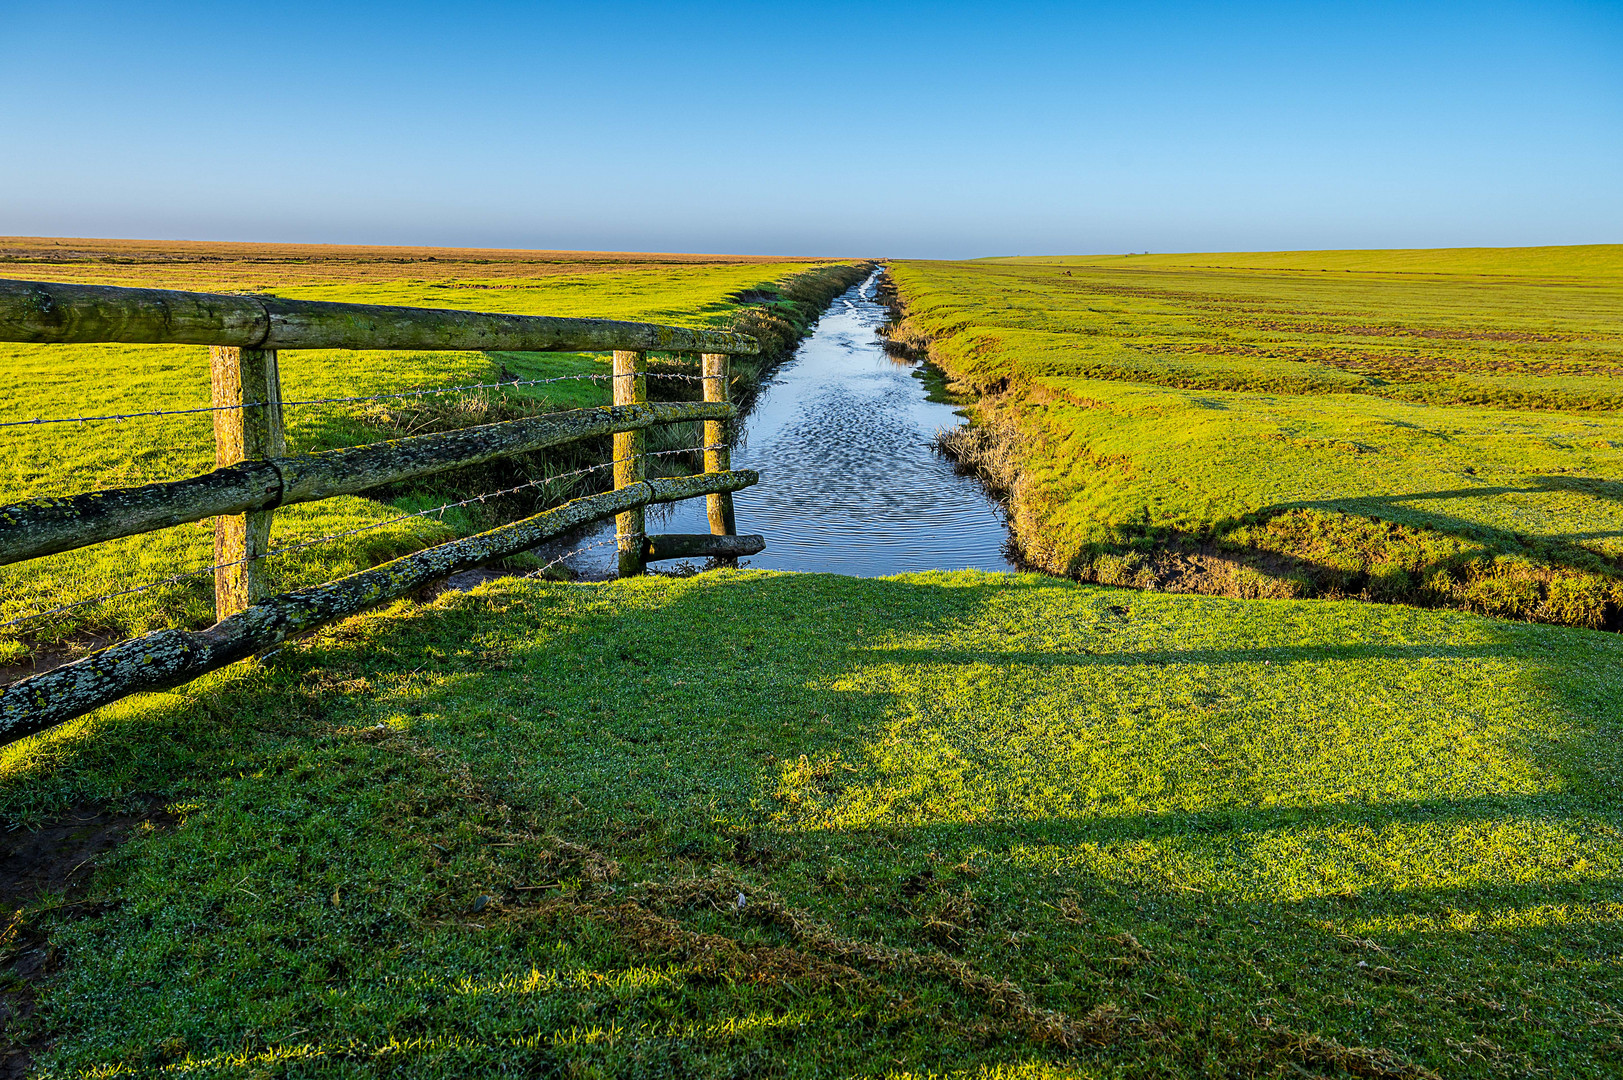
{"x":110,"y":596}
{"x":442,"y":508}
{"x":309,"y":401}
{"x":330,"y":537}
{"x":613,"y":540}
{"x":125,"y":416}
{"x":121,"y":417}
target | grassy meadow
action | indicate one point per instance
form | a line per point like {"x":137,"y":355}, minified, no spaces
{"x":1432,"y":427}
{"x":992,"y":826}
{"x":959,"y":824}
{"x":89,"y":380}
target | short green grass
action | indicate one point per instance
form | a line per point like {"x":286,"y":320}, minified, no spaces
{"x":1468,"y":397}
{"x":1571,"y":263}
{"x":90,"y":380}
{"x":803,"y":825}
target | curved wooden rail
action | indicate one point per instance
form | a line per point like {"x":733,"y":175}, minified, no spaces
{"x":168,"y":658}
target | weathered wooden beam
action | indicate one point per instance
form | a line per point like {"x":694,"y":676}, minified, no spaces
{"x":717,"y":439}
{"x":57,"y":313}
{"x":46,"y":526}
{"x":701,"y":546}
{"x":630,"y":388}
{"x":247,"y":427}
{"x":168,"y":658}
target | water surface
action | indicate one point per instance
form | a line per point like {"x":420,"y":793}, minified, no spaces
{"x":841,"y":435}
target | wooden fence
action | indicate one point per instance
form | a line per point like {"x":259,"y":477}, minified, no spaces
{"x":255,"y":474}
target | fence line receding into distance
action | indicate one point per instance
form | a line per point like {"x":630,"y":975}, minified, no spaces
{"x":255,"y":474}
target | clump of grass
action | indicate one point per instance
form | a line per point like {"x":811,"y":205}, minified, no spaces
{"x":991,"y":451}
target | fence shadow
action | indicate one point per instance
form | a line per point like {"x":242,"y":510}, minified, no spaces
{"x":1557,"y":548}
{"x":725,"y":729}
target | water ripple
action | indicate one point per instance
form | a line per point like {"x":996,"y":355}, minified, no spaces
{"x":849,"y":481}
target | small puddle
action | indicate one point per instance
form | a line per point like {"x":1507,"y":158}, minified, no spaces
{"x":850,"y":483}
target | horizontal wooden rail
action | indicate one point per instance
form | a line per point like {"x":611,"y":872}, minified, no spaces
{"x":46,"y":526}
{"x":701,"y":546}
{"x":54,"y":313}
{"x":168,"y":658}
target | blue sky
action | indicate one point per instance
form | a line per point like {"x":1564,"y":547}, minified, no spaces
{"x":932,"y":130}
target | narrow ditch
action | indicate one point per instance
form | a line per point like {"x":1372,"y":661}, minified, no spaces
{"x":843,"y":434}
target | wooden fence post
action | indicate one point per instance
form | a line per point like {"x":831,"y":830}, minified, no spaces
{"x":717,"y":457}
{"x":247,"y":426}
{"x":630,"y":388}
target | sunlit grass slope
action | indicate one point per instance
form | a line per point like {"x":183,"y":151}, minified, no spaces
{"x":1274,"y":405}
{"x":90,"y":380}
{"x":805,"y":825}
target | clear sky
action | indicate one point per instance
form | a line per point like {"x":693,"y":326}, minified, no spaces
{"x":901,"y":129}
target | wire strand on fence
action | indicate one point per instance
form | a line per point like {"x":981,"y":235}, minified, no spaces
{"x":121,"y":417}
{"x":440,"y":510}
{"x":125,"y":416}
{"x":583,"y":549}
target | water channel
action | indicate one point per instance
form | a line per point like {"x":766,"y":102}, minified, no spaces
{"x":850,"y":484}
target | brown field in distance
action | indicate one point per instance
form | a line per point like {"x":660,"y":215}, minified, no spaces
{"x":202,"y":264}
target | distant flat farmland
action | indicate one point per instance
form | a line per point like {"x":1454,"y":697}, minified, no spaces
{"x":202,"y":264}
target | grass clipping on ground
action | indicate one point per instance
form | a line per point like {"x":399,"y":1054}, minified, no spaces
{"x":966,"y":824}
{"x":1438,"y":428}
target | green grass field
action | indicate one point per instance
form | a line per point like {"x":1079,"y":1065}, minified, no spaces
{"x":802,"y":825}
{"x":1435,"y":427}
{"x":946,"y":825}
{"x":89,"y":380}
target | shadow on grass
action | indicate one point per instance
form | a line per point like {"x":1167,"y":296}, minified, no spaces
{"x":759,"y":654}
{"x":1555,"y":548}
{"x":1383,"y":549}
{"x":659,"y":723}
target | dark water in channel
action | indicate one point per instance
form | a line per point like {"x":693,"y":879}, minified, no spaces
{"x":849,"y":482}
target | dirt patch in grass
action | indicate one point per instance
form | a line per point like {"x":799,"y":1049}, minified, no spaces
{"x":58,"y":856}
{"x":28,"y":958}
{"x":56,"y":859}
{"x":49,"y":658}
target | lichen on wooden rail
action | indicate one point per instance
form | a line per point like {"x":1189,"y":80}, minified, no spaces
{"x":701,"y":546}
{"x":168,"y":658}
{"x":44,"y":312}
{"x":39,"y":527}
